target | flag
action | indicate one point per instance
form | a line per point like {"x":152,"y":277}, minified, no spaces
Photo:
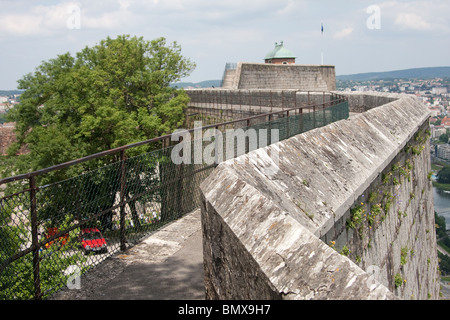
{"x":322,"y":28}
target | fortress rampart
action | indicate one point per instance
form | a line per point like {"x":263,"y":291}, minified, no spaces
{"x":348,"y":215}
{"x":275,"y":76}
{"x":225,"y":104}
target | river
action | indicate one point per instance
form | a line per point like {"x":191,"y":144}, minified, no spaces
{"x":442,"y":204}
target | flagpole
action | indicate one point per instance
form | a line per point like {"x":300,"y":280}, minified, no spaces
{"x":322,"y":44}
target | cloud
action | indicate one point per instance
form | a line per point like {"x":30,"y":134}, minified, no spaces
{"x":419,"y":15}
{"x":36,"y":21}
{"x":52,"y":19}
{"x":107,"y":19}
{"x":413,"y":21}
{"x":344,"y":33}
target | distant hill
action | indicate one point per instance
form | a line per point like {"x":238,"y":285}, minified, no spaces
{"x":417,"y":73}
{"x":203,"y":84}
{"x":10,"y":92}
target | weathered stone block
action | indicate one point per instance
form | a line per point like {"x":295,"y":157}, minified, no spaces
{"x":267,"y":236}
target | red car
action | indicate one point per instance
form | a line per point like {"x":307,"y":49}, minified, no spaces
{"x":92,"y":240}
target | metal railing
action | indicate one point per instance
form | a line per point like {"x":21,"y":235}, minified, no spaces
{"x":125,"y":199}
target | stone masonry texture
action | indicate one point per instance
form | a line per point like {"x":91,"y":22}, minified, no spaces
{"x":347,"y":214}
{"x":273,"y":76}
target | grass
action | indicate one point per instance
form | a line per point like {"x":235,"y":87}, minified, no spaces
{"x":442,"y":186}
{"x":398,"y":280}
{"x":404,"y":256}
{"x":436,"y":167}
{"x":443,"y":246}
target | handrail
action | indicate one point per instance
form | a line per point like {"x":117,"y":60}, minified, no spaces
{"x":127,"y":196}
{"x":158,"y":139}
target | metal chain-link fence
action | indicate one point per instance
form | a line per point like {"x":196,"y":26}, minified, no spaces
{"x":51,"y":234}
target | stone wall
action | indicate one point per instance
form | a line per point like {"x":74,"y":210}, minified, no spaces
{"x":221,"y":105}
{"x":289,"y":98}
{"x":273,"y":76}
{"x":312,"y":230}
{"x":363,"y":101}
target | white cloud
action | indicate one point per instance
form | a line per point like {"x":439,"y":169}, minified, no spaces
{"x":116,"y":15}
{"x":419,"y":15}
{"x":413,"y":21}
{"x":214,"y":32}
{"x":344,"y":33}
{"x":109,"y":19}
{"x":36,"y":21}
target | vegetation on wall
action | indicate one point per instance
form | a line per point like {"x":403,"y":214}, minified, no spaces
{"x":394,"y":192}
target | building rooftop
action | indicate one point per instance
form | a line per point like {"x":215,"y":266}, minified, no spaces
{"x":280,"y":52}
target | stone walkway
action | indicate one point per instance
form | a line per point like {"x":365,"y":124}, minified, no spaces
{"x":168,"y":265}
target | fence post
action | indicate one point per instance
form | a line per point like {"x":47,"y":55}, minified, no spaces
{"x":300,"y":119}
{"x":271,"y":102}
{"x":250,"y":102}
{"x":240,"y":101}
{"x":314,"y":116}
{"x":260,"y":102}
{"x":122,"y":201}
{"x":270,"y":129}
{"x":323,"y":100}
{"x":288,"y":129}
{"x":295,"y":101}
{"x":34,"y":239}
{"x":216,"y":148}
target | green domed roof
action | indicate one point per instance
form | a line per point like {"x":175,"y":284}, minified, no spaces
{"x":280,"y":52}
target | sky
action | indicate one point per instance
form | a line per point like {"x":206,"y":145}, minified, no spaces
{"x":359,"y":36}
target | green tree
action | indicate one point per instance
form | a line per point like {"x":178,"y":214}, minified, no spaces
{"x":444,"y":138}
{"x":106,"y":96}
{"x":440,"y":226}
{"x":112,"y":94}
{"x":444,"y":175}
{"x":2,"y":118}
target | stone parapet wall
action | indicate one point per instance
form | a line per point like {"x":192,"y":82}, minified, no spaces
{"x":268,"y":98}
{"x":363,"y":101}
{"x":296,"y":234}
{"x":291,"y":76}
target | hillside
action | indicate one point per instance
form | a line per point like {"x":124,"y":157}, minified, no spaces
{"x":417,"y":73}
{"x":10,"y":92}
{"x":203,"y":84}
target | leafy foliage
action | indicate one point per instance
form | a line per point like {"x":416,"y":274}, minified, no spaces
{"x":444,"y":175}
{"x":115,"y":93}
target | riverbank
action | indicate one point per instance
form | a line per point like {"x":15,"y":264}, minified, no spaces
{"x":442,"y":186}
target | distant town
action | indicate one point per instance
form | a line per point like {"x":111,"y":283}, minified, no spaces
{"x":7,"y":100}
{"x":434,"y":93}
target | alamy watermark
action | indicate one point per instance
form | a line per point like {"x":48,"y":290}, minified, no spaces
{"x":374,"y":272}
{"x":237,"y":142}
{"x":74,"y":20}
{"x":74,"y":279}
{"x":374,"y":20}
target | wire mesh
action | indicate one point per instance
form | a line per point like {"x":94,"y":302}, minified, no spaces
{"x":47,"y":232}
